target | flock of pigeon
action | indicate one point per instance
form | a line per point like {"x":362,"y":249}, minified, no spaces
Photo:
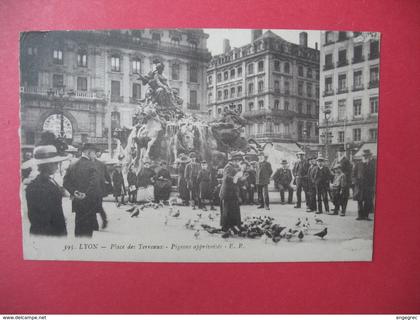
{"x":262,"y":227}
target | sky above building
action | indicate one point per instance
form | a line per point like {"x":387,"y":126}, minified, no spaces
{"x":241,"y":37}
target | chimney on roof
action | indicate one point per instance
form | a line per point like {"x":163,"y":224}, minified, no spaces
{"x":226,"y":45}
{"x":256,"y":33}
{"x":303,"y":39}
{"x":316,"y":45}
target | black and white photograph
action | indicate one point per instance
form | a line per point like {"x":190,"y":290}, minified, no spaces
{"x":199,"y":145}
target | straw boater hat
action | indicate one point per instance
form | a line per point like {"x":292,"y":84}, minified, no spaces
{"x":235,"y":157}
{"x":47,"y":154}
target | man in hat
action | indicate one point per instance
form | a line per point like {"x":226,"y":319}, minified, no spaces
{"x":230,"y":211}
{"x":252,"y":181}
{"x":163,"y":183}
{"x":145,"y":181}
{"x":322,"y":178}
{"x":191,"y":174}
{"x":282,"y":179}
{"x":263,"y":175}
{"x":206,"y":185}
{"x":243,"y":184}
{"x":183,"y":191}
{"x":364,"y":185}
{"x":338,"y":188}
{"x":346,"y":168}
{"x":44,"y":195}
{"x":311,"y":185}
{"x":83,"y":182}
{"x":300,"y":172}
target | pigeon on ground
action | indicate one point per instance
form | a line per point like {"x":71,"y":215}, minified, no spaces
{"x":177,"y":214}
{"x":199,"y":215}
{"x":295,"y":231}
{"x":188,"y":224}
{"x":298,"y":222}
{"x":197,"y":234}
{"x":300,"y":235}
{"x":131,"y":209}
{"x":318,"y":221}
{"x":322,"y":234}
{"x":135,"y":213}
{"x":211,"y":217}
{"x":276,"y":239}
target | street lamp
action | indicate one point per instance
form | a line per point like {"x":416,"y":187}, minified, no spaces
{"x":327,"y":115}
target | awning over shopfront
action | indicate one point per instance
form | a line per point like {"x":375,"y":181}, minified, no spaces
{"x":373,"y":147}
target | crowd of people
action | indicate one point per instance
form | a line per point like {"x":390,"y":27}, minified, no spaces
{"x":199,"y":183}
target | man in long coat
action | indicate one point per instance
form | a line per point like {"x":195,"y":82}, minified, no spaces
{"x":322,"y":179}
{"x":300,"y":172}
{"x":191,"y":174}
{"x":82,"y":181}
{"x":163,"y":183}
{"x":282,"y":179}
{"x":263,"y":175}
{"x":183,"y":191}
{"x":346,"y":168}
{"x":230,"y":211}
{"x":311,"y":206}
{"x":364,"y":185}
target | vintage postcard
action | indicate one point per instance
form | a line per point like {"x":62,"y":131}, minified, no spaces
{"x":199,"y":145}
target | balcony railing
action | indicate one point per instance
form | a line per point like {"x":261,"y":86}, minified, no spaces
{"x":117,"y":99}
{"x":373,"y":55}
{"x":328,"y":66}
{"x":267,"y":112}
{"x":342,"y":63}
{"x":357,"y":87}
{"x":328,"y":92}
{"x":270,"y":135}
{"x":342,"y":90}
{"x":373,"y":84}
{"x":135,"y":100}
{"x":193,"y":106}
{"x":358,"y":59}
{"x":76,"y":94}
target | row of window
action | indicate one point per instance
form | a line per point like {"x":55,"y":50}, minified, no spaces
{"x":357,"y":55}
{"x":357,"y":135}
{"x":357,"y":107}
{"x":82,"y":61}
{"x":236,"y":73}
{"x":357,"y":81}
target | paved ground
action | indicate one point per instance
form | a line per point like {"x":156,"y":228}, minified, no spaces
{"x":347,"y":238}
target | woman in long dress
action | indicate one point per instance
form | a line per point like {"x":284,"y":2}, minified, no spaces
{"x":230,"y":211}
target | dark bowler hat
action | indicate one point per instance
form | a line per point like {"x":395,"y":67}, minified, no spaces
{"x":89,"y":146}
{"x":341,"y":149}
{"x":193,"y":155}
{"x":236,"y":157}
{"x":183,"y":159}
{"x":204,"y":162}
{"x":284,"y":162}
{"x":366,"y":152}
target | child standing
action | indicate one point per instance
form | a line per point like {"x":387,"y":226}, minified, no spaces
{"x":338,"y":188}
{"x":132,"y":185}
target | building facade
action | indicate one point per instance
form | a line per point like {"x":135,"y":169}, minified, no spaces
{"x":273,"y":83}
{"x":81,"y":83}
{"x":349,"y":90}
